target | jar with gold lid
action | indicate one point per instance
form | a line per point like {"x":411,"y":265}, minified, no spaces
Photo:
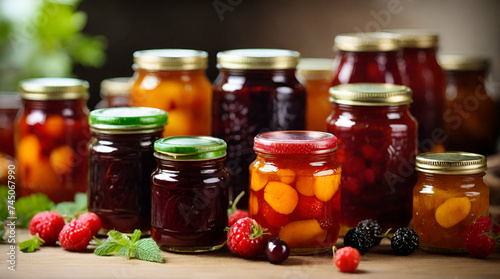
{"x":115,"y":92}
{"x":449,"y":195}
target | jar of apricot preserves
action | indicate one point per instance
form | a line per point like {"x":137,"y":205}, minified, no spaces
{"x":174,"y":80}
{"x":448,"y":197}
{"x":120,"y":165}
{"x":294,"y":188}
{"x":51,"y":136}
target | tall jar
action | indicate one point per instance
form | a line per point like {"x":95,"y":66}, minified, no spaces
{"x":120,"y":165}
{"x":377,"y":147}
{"x":366,"y":57}
{"x":256,"y":91}
{"x":51,"y":136}
{"x":115,"y":92}
{"x":470,"y":118}
{"x":10,"y":103}
{"x":189,"y":194}
{"x":449,"y":196}
{"x":294,"y":188}
{"x":174,"y":80}
{"x":316,"y":75}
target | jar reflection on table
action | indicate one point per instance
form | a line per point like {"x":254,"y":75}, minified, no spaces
{"x":115,"y":92}
{"x":10,"y":103}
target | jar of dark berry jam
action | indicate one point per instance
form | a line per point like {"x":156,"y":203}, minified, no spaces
{"x":377,"y":147}
{"x":51,"y":136}
{"x":366,"y":57}
{"x":120,"y":165}
{"x":10,"y":103}
{"x":449,"y":196}
{"x":115,"y":92}
{"x":294,"y":188}
{"x":189,"y":194}
{"x":256,"y":91}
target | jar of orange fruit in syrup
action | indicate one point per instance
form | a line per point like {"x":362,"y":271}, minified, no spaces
{"x":449,"y":195}
{"x":294,"y":188}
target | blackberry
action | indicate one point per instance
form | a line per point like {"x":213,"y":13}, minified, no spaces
{"x":404,"y":241}
{"x":372,"y":228}
{"x":357,"y":238}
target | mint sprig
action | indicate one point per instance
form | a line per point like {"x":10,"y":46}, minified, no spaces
{"x":117,"y":243}
{"x":31,"y":244}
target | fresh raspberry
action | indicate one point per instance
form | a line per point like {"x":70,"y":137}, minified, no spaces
{"x":347,"y":259}
{"x":482,"y":224}
{"x":309,"y":207}
{"x":245,"y":238}
{"x":47,"y":224}
{"x":272,"y":217}
{"x":237,"y":215}
{"x":92,"y":221}
{"x":75,"y":236}
{"x":479,"y":244}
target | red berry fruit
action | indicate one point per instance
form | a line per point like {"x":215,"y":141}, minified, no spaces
{"x":277,"y":250}
{"x":309,"y":207}
{"x":47,"y":224}
{"x":245,"y":238}
{"x":75,"y":236}
{"x":237,"y":215}
{"x":479,"y":244}
{"x":92,"y":221}
{"x":482,"y":224}
{"x":347,"y":259}
{"x":272,"y":217}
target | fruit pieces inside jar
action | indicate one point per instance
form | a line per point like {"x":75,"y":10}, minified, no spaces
{"x":297,"y":202}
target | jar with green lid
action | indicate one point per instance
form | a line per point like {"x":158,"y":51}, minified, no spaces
{"x":448,"y":197}
{"x":120,"y":165}
{"x":189,"y":194}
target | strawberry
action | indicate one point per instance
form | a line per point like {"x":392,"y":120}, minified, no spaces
{"x":47,"y":224}
{"x":309,"y":207}
{"x":347,"y":259}
{"x":75,"y":236}
{"x":246,"y":238}
{"x":236,"y":214}
{"x":92,"y":221}
{"x":272,"y":217}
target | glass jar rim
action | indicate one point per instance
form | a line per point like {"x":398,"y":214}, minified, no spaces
{"x":182,"y":148}
{"x":371,"y":94}
{"x":41,"y":89}
{"x":316,"y":68}
{"x":258,"y":59}
{"x":463,"y":63}
{"x":170,"y":59}
{"x":361,"y":42}
{"x":295,"y":142}
{"x":451,"y":162}
{"x":127,"y":118}
{"x":414,"y":38}
{"x":118,"y":86}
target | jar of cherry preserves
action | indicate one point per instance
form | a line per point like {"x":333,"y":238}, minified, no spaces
{"x":256,"y":91}
{"x":377,"y":147}
{"x":51,"y":136}
{"x":10,"y":103}
{"x":294,"y":188}
{"x":115,"y":92}
{"x":120,"y":165}
{"x":189,"y":194}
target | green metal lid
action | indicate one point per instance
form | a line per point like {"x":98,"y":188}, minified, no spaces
{"x":190,"y":148}
{"x":127,"y":118}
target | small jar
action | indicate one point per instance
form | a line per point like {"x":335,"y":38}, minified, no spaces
{"x":120,"y":165}
{"x":294,"y":189}
{"x":448,"y":197}
{"x":378,"y":143}
{"x":316,"y":74}
{"x":115,"y":92}
{"x":470,"y":117}
{"x":10,"y":103}
{"x":174,"y":80}
{"x":51,"y":137}
{"x":256,"y":91}
{"x":366,"y":57}
{"x":189,"y":194}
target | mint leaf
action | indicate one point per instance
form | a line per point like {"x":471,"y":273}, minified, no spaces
{"x":30,"y":245}
{"x":106,"y":248}
{"x":2,"y":230}
{"x":147,"y":250}
{"x":71,"y":210}
{"x":125,"y":251}
{"x":119,"y":238}
{"x":27,"y":207}
{"x":136,"y":236}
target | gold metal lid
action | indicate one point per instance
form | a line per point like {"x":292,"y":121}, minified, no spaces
{"x":315,"y":68}
{"x":53,"y":89}
{"x":170,"y":59}
{"x":119,"y":86}
{"x":375,"y":41}
{"x":451,"y":163}
{"x":258,"y":59}
{"x":417,"y":38}
{"x":370,"y":94}
{"x":463,"y":63}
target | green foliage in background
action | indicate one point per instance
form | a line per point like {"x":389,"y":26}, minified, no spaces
{"x":42,"y":38}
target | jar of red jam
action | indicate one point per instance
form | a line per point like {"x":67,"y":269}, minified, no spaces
{"x":51,"y":136}
{"x":366,"y":57}
{"x":189,"y":194}
{"x":294,"y":188}
{"x":120,"y":165}
{"x":10,"y":103}
{"x":377,"y":138}
{"x":449,"y":196}
{"x":115,"y":92}
{"x":256,"y":91}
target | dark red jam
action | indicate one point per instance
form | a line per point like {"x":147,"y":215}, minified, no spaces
{"x":9,"y":106}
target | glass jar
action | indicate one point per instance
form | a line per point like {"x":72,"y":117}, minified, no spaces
{"x":115,"y":92}
{"x":120,"y":165}
{"x":316,"y":74}
{"x":294,"y":189}
{"x":470,"y":118}
{"x":378,"y":143}
{"x":448,"y":197}
{"x":366,"y":57}
{"x":51,"y":136}
{"x":421,"y":72}
{"x":256,"y":91}
{"x":189,"y":194}
{"x":10,"y":103}
{"x":174,"y":80}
